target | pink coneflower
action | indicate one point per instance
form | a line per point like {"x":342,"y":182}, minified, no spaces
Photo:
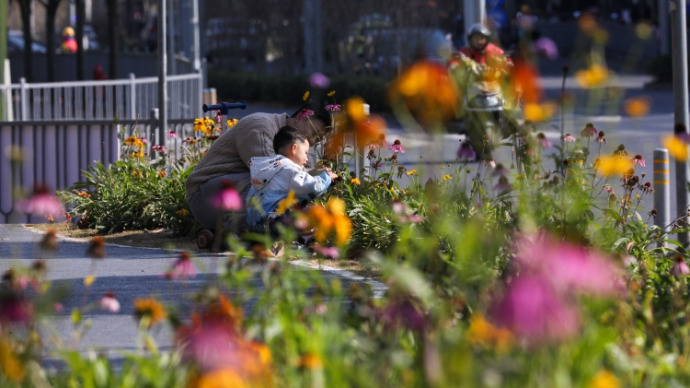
{"x":647,"y":188}
{"x":333,"y":107}
{"x":397,"y":147}
{"x":601,"y":138}
{"x":227,"y":198}
{"x":567,"y":266}
{"x":171,"y":134}
{"x":404,"y":213}
{"x":109,"y":303}
{"x":159,"y":148}
{"x":490,"y":163}
{"x":546,"y":47}
{"x":639,"y":161}
{"x":319,"y":80}
{"x":503,"y":186}
{"x":680,"y":268}
{"x":466,"y":152}
{"x":609,"y":189}
{"x":379,"y":142}
{"x":327,"y":252}
{"x":219,"y":117}
{"x":42,"y":202}
{"x":183,"y":268}
{"x":305,"y":114}
{"x":569,"y":138}
{"x":589,"y":131}
{"x":531,"y":309}
{"x":544,"y":142}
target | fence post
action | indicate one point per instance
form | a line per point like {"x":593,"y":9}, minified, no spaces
{"x":132,"y":97}
{"x":25,"y":100}
{"x":662,"y":188}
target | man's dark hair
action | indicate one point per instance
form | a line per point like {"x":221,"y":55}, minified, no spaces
{"x":320,"y":112}
{"x":286,"y":136}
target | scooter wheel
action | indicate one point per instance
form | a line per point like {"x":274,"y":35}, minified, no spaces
{"x":204,"y":239}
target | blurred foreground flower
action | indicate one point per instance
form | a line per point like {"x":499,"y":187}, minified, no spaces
{"x":608,"y":165}
{"x":109,"y":303}
{"x":637,"y":106}
{"x":42,"y":203}
{"x":676,"y":146}
{"x":538,"y":304}
{"x":537,"y":112}
{"x":214,"y":342}
{"x":330,"y":220}
{"x":183,"y":268}
{"x":466,"y":153}
{"x":227,"y":198}
{"x":427,"y":91}
{"x":10,"y":363}
{"x":604,"y":379}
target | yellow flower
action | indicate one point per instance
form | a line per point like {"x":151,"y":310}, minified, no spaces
{"x":594,"y":76}
{"x":411,"y":172}
{"x":536,"y":112}
{"x":343,"y":229}
{"x":286,"y":203}
{"x":336,"y":206}
{"x":10,"y":364}
{"x":676,"y":147}
{"x":637,"y":106}
{"x":331,"y":93}
{"x":182,"y":213}
{"x":150,"y":308}
{"x":612,"y":165}
{"x":162,"y":174}
{"x":355,"y":181}
{"x":446,"y":177}
{"x":604,"y":379}
{"x":231,"y":122}
{"x":305,"y":96}
{"x":199,"y":125}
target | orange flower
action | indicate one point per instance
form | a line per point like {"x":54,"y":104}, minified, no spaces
{"x":484,"y":333}
{"x":676,"y":147}
{"x":149,"y":308}
{"x":536,"y":112}
{"x":310,"y":361}
{"x":613,"y":165}
{"x":286,"y":203}
{"x":637,"y":106}
{"x":595,"y":75}
{"x":524,"y":81}
{"x":221,"y":378}
{"x":329,"y":220}
{"x":428,"y":92}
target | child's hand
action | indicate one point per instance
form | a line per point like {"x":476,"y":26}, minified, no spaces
{"x":333,"y":175}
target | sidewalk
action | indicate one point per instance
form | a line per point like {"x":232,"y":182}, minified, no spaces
{"x":129,"y":273}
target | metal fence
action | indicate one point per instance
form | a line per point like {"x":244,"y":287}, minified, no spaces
{"x":131,"y":99}
{"x":51,"y":133}
{"x":56,"y":153}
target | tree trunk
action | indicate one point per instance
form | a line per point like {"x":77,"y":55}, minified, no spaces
{"x":113,"y":47}
{"x":51,"y":12}
{"x":25,"y":6}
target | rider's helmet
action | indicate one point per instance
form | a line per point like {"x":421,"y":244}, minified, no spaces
{"x":68,"y":31}
{"x":478,"y":29}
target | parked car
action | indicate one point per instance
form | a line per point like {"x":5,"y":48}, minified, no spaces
{"x":15,"y":43}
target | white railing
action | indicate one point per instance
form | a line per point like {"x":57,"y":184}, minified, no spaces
{"x":130,"y":98}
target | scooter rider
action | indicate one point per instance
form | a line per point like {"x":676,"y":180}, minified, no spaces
{"x":479,"y":48}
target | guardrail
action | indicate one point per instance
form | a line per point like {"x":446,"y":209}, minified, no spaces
{"x":130,"y":98}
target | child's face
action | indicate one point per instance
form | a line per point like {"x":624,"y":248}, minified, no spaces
{"x":299,"y":152}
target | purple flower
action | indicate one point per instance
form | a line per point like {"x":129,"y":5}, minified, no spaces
{"x":569,"y":138}
{"x":42,"y":203}
{"x":546,"y":47}
{"x":531,"y":309}
{"x":589,"y":131}
{"x":333,"y":107}
{"x":227,"y":198}
{"x":601,"y":138}
{"x":319,"y":80}
{"x":304,"y":114}
{"x":14,"y":307}
{"x":171,"y":134}
{"x":680,"y":268}
{"x":109,"y":303}
{"x":402,"y":311}
{"x":466,"y":152}
{"x":503,"y":186}
{"x":183,"y":268}
{"x":499,"y":170}
{"x":397,"y":147}
{"x":544,"y":142}
{"x":404,"y":213}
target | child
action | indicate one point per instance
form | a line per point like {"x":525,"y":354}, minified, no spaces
{"x":273,"y":177}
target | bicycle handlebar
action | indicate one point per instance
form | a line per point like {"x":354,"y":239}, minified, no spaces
{"x":224,"y":107}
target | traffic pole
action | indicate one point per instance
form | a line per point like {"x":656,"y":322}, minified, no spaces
{"x":679,"y":53}
{"x":662,"y":188}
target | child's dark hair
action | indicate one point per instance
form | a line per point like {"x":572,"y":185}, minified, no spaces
{"x":320,"y":112}
{"x":286,"y":136}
